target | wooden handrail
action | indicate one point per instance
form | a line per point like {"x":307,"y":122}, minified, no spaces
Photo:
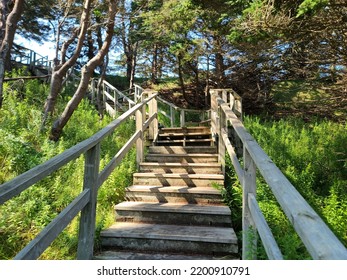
{"x":319,"y":240}
{"x":29,"y":57}
{"x":86,"y":200}
{"x":181,"y":111}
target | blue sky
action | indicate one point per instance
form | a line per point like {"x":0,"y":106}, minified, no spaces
{"x":44,"y":49}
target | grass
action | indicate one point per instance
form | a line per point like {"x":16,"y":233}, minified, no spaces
{"x":23,"y":146}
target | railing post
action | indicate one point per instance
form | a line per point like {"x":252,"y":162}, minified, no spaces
{"x":249,"y":236}
{"x":104,"y":96}
{"x":172,"y":116}
{"x":182,"y":118}
{"x":221,"y":146}
{"x":214,"y":110}
{"x":140,"y":113}
{"x":153,"y":127}
{"x":32,"y":58}
{"x":87,"y":221}
{"x":115,"y":97}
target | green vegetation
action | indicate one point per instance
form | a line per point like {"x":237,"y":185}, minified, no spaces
{"x":23,"y":146}
{"x":313,"y":157}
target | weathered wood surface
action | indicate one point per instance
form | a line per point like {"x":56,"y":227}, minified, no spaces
{"x":270,"y":245}
{"x":249,"y":240}
{"x":88,"y":214}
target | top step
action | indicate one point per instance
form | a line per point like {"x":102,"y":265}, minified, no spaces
{"x":185,"y":136}
{"x":185,"y":130}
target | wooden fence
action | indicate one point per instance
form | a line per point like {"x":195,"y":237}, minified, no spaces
{"x":319,"y":240}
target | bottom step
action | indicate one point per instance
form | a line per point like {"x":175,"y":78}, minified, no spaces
{"x":217,"y":241}
{"x":133,"y":255}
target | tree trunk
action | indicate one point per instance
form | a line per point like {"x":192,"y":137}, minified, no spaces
{"x":99,"y":101}
{"x":219,"y":64}
{"x":219,"y":61}
{"x":60,"y":71}
{"x":3,"y":50}
{"x":11,"y":28}
{"x":154,"y":74}
{"x":180,"y":76}
{"x":8,"y":29}
{"x":87,"y":72}
{"x":133,"y":65}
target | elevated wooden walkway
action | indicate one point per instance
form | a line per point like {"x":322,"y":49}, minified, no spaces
{"x":174,"y":209}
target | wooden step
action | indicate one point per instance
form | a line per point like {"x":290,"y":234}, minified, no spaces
{"x":173,"y":213}
{"x":178,"y":179}
{"x":174,"y":194}
{"x":174,"y":210}
{"x":196,"y":129}
{"x":153,"y":255}
{"x":178,"y":135}
{"x":182,"y":158}
{"x":176,"y":167}
{"x":182,"y":149}
{"x":185,"y":142}
{"x":217,"y":241}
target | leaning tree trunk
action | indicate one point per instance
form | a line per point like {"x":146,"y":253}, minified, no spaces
{"x":3,"y":50}
{"x":87,"y":72}
{"x":60,"y":71}
{"x":8,"y":29}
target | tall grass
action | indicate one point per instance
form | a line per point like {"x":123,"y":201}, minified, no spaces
{"x":23,"y":146}
{"x":313,"y":156}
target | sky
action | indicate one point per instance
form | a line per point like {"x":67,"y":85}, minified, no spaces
{"x":44,"y":49}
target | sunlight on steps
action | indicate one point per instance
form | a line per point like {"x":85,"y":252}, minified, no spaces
{"x":173,"y":210}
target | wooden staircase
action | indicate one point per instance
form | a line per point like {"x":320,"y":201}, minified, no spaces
{"x":174,"y":209}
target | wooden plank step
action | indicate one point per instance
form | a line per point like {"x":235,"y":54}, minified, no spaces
{"x":182,"y":149}
{"x":152,"y":255}
{"x":178,"y":179}
{"x":177,"y":167}
{"x":173,"y":213}
{"x":199,"y":129}
{"x":182,"y":158}
{"x":185,"y":134}
{"x":170,"y":238}
{"x":185,"y":142}
{"x":174,"y":194}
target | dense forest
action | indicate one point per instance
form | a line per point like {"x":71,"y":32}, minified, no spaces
{"x":286,"y":58}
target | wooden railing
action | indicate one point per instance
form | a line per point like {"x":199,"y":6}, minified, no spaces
{"x":114,"y":100}
{"x":122,"y":101}
{"x":181,"y":117}
{"x":85,"y":202}
{"x":31,"y":58}
{"x":319,"y":240}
